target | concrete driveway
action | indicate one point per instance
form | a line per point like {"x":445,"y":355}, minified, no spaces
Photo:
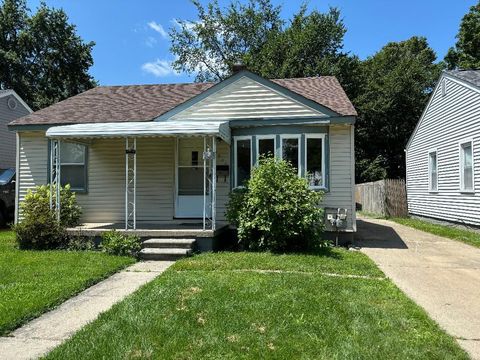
{"x":441,"y":275}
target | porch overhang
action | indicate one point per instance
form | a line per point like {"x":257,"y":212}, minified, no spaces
{"x":220,"y":129}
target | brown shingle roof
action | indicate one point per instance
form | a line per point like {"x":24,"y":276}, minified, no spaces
{"x":146,"y":102}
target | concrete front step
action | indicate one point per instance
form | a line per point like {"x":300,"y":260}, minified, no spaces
{"x":169,"y":243}
{"x":164,"y":253}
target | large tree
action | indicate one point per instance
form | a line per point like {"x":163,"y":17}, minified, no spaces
{"x":41,"y":56}
{"x":466,"y":53}
{"x":396,"y":84}
{"x":255,"y":34}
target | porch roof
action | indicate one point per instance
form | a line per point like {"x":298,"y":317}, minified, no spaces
{"x":141,"y":129}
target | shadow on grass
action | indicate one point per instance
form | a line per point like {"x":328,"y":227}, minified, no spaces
{"x":370,"y":235}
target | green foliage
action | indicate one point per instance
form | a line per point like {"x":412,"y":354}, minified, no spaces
{"x":277,"y":211}
{"x":80,"y":243}
{"x":41,"y":56}
{"x":396,"y":84}
{"x":115,"y":243}
{"x":371,"y":170}
{"x":39,"y":228}
{"x":254,"y":33}
{"x":466,"y":52}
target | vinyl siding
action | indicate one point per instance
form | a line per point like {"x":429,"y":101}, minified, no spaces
{"x":341,"y":172}
{"x":105,"y":200}
{"x":7,"y":138}
{"x":33,"y":162}
{"x":245,"y":99}
{"x":448,"y":121}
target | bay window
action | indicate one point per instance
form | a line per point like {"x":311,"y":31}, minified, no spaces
{"x":315,"y":160}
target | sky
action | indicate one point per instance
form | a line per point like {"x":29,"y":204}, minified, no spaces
{"x":132,"y":45}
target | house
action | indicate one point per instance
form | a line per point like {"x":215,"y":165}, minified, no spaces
{"x":443,"y":153}
{"x":11,"y":108}
{"x":143,"y":157}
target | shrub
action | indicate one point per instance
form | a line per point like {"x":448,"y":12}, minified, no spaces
{"x":39,"y":228}
{"x":277,"y":210}
{"x":80,"y":243}
{"x":115,"y":243}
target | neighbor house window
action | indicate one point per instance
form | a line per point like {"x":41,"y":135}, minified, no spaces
{"x":433,"y":170}
{"x":466,"y":166}
{"x":74,"y":169}
{"x":315,"y":160}
{"x":243,"y":159}
{"x":291,"y":150}
{"x":265,"y":146}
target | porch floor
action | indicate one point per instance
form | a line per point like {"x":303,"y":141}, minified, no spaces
{"x":173,"y":229}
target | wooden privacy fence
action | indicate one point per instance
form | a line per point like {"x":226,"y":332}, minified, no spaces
{"x":384,"y":197}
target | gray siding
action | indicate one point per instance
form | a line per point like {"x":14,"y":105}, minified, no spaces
{"x":341,"y":172}
{"x":7,"y":138}
{"x":245,"y":99}
{"x":447,"y":121}
{"x":105,"y":200}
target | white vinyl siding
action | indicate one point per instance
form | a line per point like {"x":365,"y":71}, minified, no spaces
{"x":245,"y":99}
{"x":447,"y":121}
{"x":7,"y":138}
{"x":105,"y":200}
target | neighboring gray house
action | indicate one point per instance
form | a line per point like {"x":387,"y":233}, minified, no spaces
{"x":134,"y":154}
{"x":443,"y":153}
{"x":11,"y":107}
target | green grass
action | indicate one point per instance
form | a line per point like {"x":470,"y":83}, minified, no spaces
{"x":451,"y":232}
{"x":32,"y":282}
{"x":229,"y":306}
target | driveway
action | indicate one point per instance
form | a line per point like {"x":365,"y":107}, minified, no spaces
{"x":441,"y":275}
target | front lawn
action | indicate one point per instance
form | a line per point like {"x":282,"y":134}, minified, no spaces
{"x":451,"y":232}
{"x":249,"y":305}
{"x":32,"y":282}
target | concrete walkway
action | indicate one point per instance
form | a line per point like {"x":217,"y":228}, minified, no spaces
{"x":49,"y":330}
{"x":439,"y":274}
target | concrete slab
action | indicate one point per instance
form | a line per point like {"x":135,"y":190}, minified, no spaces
{"x":439,"y":274}
{"x":43,"y":334}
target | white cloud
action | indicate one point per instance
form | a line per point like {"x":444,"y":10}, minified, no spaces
{"x":158,"y":28}
{"x":159,"y":68}
{"x":150,"y":41}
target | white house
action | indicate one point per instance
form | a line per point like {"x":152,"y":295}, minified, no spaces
{"x":135,"y":154}
{"x":443,"y":153}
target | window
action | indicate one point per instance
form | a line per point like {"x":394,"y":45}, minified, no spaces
{"x":243,"y":159}
{"x":466,"y":167}
{"x":433,"y":174}
{"x":315,"y":160}
{"x":291,"y":150}
{"x":265,"y":146}
{"x":74,"y":169}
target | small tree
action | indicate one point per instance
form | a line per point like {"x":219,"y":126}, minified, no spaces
{"x":277,"y":210}
{"x":39,"y":228}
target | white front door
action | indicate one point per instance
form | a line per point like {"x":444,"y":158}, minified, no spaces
{"x":189,"y":192}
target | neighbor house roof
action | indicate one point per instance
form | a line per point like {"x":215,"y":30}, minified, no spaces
{"x":470,"y":76}
{"x":134,"y":103}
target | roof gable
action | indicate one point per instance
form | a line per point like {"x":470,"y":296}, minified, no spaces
{"x":244,"y":97}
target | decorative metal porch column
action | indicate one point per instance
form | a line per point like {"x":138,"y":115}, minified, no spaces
{"x":209,"y":181}
{"x":55,"y":173}
{"x":130,"y":183}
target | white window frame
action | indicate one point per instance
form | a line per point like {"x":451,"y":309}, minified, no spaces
{"x":461,"y":157}
{"x":316,"y":136}
{"x":257,"y":144}
{"x":235,"y":141}
{"x":299,"y":138}
{"x":430,"y":187}
{"x":83,"y":189}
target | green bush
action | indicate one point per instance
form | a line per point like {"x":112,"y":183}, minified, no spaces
{"x":277,"y":210}
{"x":115,"y":243}
{"x":39,"y":228}
{"x":80,"y":243}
